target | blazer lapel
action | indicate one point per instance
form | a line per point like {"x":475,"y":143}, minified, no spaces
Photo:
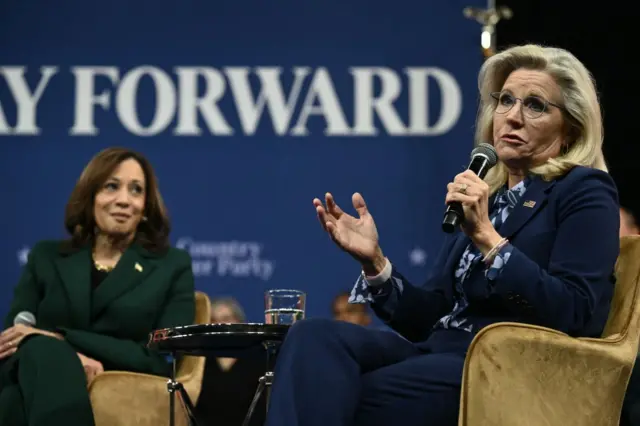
{"x":132,"y":268}
{"x":75,"y":271}
{"x":534,"y":198}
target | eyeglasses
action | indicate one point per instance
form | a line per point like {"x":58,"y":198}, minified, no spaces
{"x":532,"y":106}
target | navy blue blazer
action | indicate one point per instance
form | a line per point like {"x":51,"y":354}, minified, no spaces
{"x":559,"y":275}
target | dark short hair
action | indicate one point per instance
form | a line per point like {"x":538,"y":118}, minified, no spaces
{"x":79,"y":220}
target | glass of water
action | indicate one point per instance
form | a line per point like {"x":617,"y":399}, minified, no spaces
{"x":284,"y":306}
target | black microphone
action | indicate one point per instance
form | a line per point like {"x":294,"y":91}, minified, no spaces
{"x":483,"y":157}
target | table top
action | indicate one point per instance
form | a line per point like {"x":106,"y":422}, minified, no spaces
{"x":216,"y":339}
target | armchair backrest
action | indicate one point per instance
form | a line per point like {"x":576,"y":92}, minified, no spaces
{"x":624,"y":317}
{"x":203,"y":308}
{"x":192,"y":364}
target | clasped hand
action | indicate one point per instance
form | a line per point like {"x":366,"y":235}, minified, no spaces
{"x":12,"y":336}
{"x":91,"y":367}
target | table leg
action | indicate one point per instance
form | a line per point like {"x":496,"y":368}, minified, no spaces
{"x":171,"y":387}
{"x":256,"y":397}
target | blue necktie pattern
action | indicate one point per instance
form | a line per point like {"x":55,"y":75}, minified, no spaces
{"x":503,"y":204}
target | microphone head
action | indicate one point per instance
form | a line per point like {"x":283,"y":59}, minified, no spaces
{"x":25,"y":318}
{"x":488,"y":151}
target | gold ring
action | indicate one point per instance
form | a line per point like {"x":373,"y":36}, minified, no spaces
{"x":463,"y":188}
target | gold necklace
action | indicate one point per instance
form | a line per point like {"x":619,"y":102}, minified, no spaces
{"x":102,"y":268}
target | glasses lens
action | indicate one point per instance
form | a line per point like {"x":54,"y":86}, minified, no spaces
{"x":505,"y":102}
{"x":532,"y":106}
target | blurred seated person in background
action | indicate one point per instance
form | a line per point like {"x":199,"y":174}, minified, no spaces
{"x":538,"y":245}
{"x":355,"y":313}
{"x":95,"y":297}
{"x":230,"y":383}
{"x":628,"y":222}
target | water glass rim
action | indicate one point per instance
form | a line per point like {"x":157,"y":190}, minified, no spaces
{"x":284,"y":290}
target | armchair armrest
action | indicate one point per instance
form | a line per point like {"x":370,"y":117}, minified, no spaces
{"x":528,"y":375}
{"x":122,"y":398}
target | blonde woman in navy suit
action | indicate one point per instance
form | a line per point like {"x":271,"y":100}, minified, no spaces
{"x":538,"y":245}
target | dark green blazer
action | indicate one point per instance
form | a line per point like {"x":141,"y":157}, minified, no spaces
{"x":111,"y":324}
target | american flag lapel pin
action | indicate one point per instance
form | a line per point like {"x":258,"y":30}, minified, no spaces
{"x":138,"y":267}
{"x":529,"y":203}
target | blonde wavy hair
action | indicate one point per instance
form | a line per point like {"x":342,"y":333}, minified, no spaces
{"x":579,"y":98}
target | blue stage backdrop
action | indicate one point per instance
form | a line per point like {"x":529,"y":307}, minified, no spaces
{"x":247,"y":110}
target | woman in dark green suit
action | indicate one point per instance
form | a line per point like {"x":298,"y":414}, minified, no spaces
{"x":95,"y":298}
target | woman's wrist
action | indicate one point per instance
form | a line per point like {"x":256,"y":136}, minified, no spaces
{"x":52,"y":334}
{"x":485,"y":240}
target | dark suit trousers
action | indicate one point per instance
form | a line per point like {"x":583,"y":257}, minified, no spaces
{"x":339,"y":374}
{"x":47,"y":386}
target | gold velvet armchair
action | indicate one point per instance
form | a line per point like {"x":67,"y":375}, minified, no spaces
{"x":122,"y":398}
{"x":525,"y":375}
